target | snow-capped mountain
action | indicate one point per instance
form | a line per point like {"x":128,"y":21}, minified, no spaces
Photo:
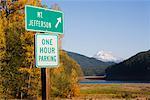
{"x":107,"y":57}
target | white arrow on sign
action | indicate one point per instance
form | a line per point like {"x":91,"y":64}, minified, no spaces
{"x":58,"y":21}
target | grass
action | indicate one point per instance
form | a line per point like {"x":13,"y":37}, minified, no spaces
{"x":111,"y":92}
{"x":115,"y":91}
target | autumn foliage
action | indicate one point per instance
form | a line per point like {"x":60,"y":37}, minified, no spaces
{"x":19,"y":77}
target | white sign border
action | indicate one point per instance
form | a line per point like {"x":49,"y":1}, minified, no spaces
{"x":35,"y":46}
{"x":42,"y":30}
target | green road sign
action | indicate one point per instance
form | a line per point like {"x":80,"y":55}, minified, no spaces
{"x":43,"y":20}
{"x":46,"y":50}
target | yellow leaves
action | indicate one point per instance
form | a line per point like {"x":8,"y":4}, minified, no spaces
{"x":27,"y":40}
{"x":64,"y":78}
{"x":34,"y":2}
{"x":32,"y":80}
{"x":21,"y":42}
{"x":27,"y":36}
{"x":23,"y":1}
{"x":58,"y":70}
{"x":20,"y":17}
{"x":75,"y":89}
{"x":19,"y":52}
{"x":4,"y":22}
{"x":31,"y":71}
{"x":29,"y":51}
{"x":2,"y":40}
{"x":1,"y":25}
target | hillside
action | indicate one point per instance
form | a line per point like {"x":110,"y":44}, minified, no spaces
{"x":135,"y":68}
{"x":85,"y":61}
{"x":90,"y":66}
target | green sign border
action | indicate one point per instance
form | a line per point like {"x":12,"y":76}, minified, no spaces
{"x":36,"y":61}
{"x":44,"y":9}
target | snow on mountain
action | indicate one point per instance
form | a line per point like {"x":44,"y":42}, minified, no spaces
{"x":107,"y":57}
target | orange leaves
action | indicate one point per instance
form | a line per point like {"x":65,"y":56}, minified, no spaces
{"x":64,"y":79}
{"x":17,"y":51}
{"x":32,"y":72}
{"x":32,"y":80}
{"x":58,"y":70}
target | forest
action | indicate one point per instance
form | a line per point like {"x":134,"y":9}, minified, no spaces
{"x":20,"y":79}
{"x":136,"y":68}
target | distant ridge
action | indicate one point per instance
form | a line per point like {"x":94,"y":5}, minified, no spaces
{"x":89,"y":65}
{"x":85,"y":61}
{"x":135,"y":68}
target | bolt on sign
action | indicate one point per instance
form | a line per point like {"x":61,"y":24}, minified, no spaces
{"x":46,"y":50}
{"x":43,"y":20}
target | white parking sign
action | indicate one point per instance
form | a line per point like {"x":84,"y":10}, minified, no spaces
{"x":46,"y":50}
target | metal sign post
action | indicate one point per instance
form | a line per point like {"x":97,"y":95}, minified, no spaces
{"x":43,"y":80}
{"x":48,"y":83}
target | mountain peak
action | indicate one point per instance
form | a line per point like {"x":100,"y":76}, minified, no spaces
{"x":107,"y":56}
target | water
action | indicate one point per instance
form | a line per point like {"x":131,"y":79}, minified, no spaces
{"x":110,"y":82}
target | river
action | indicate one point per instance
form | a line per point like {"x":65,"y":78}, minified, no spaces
{"x":109,"y":82}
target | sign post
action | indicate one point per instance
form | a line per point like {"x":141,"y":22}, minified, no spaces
{"x":43,"y":79}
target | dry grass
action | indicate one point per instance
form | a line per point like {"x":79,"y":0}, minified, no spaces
{"x":115,"y":91}
{"x":112,"y":92}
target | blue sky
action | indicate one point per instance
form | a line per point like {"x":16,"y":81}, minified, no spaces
{"x":122,"y":27}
